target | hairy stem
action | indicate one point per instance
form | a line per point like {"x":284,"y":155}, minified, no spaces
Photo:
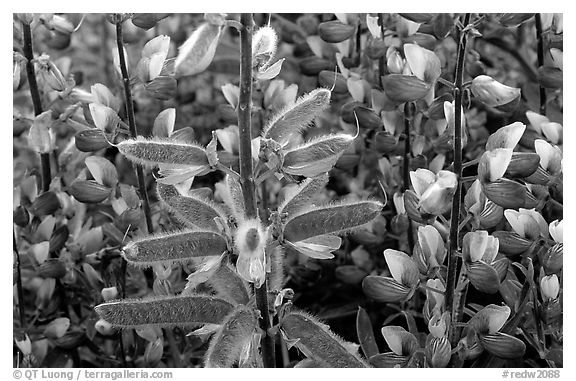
{"x":132,"y":123}
{"x":540,"y":61}
{"x":247,"y":171}
{"x":454,"y":220}
{"x":36,"y":102}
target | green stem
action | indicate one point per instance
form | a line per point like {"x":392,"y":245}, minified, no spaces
{"x":247,"y":171}
{"x":540,"y":61}
{"x":132,"y":123}
{"x":454,"y":220}
{"x":36,"y":102}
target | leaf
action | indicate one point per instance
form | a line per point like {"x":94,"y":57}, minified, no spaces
{"x":173,"y":247}
{"x":193,"y":210}
{"x":365,"y":333}
{"x":236,"y":332}
{"x":168,"y":311}
{"x":103,"y":171}
{"x":318,"y":343}
{"x":198,"y":51}
{"x":298,"y":197}
{"x":316,"y":156}
{"x":154,"y":151}
{"x":328,"y":219}
{"x":295,"y":118}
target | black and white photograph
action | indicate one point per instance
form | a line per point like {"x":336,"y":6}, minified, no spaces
{"x":287,"y":190}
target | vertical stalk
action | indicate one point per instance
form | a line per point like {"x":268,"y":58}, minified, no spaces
{"x":381,"y":60}
{"x":36,"y":102}
{"x":408,"y":115}
{"x":455,"y":216}
{"x":540,"y":48}
{"x":132,"y":122}
{"x":247,"y":171}
{"x":19,"y":289}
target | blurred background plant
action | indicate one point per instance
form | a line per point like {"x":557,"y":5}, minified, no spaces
{"x":475,"y":285}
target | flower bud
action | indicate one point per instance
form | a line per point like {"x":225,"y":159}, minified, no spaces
{"x":264,"y":45}
{"x":20,"y":216}
{"x":405,"y":88}
{"x":549,"y":287}
{"x":45,"y":204}
{"x":394,"y":61}
{"x":52,"y":268}
{"x":553,"y":260}
{"x":109,"y":293}
{"x":335,"y":31}
{"x":104,"y":328}
{"x":250,"y":241}
{"x":91,"y":140}
{"x":50,"y":74}
{"x":89,"y":191}
{"x":556,"y":229}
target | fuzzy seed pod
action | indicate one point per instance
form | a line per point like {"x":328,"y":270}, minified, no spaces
{"x":228,"y":285}
{"x":165,"y":311}
{"x":295,"y":118}
{"x":316,"y":156}
{"x":236,"y":332}
{"x":194,"y":211}
{"x":327,"y":219}
{"x":173,"y":247}
{"x":155,"y":151}
{"x":318,"y":343}
{"x":264,"y":43}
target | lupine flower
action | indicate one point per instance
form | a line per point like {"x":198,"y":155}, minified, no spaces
{"x":479,"y":251}
{"x":556,"y":229}
{"x":527,"y":223}
{"x":487,"y":324}
{"x":435,"y":191}
{"x":486,"y":214}
{"x":429,"y":252}
{"x":250,"y":241}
